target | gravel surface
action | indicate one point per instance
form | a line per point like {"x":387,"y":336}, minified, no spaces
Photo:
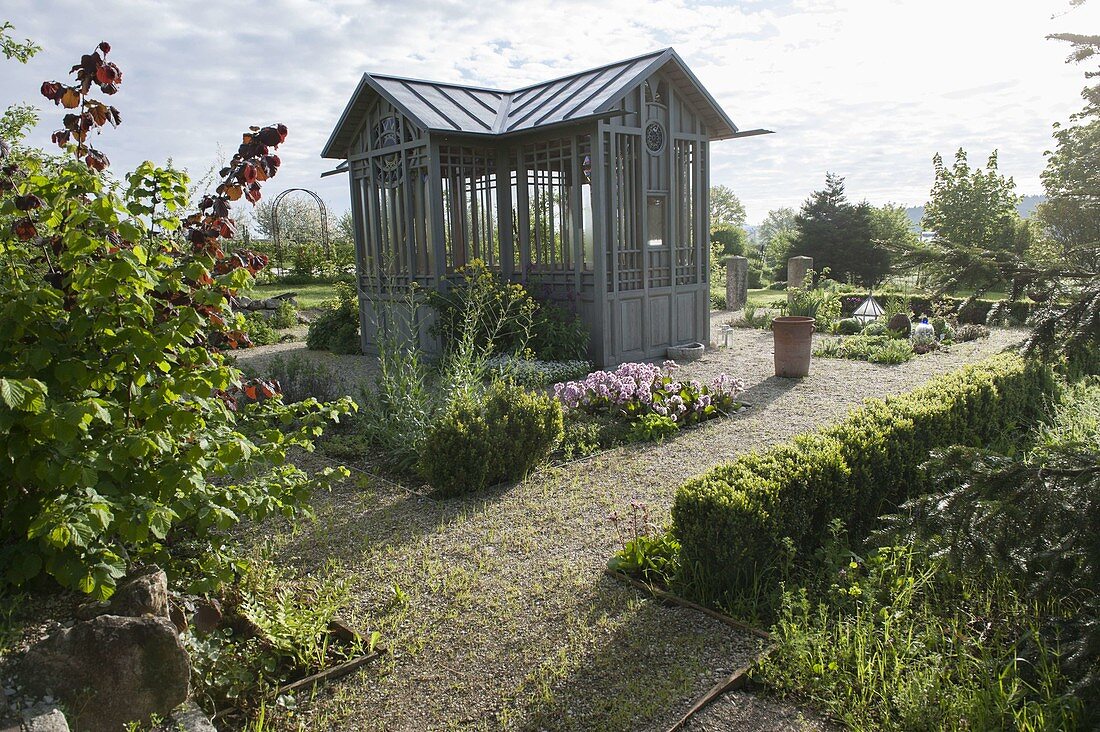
{"x":743,"y":710}
{"x":496,"y":606}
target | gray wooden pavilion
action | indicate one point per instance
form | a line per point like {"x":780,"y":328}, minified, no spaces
{"x":593,"y":186}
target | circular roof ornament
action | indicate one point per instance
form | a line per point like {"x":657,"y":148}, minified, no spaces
{"x":655,"y":137}
{"x":387,"y":168}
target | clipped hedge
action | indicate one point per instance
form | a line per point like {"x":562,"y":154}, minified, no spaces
{"x":737,"y":523}
{"x":977,"y":311}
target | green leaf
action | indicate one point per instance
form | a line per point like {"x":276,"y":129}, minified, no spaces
{"x":26,"y":395}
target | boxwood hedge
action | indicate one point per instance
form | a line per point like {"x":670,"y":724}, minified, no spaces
{"x":738,"y":522}
{"x":976,"y":311}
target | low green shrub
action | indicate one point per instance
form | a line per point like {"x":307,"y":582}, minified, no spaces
{"x":585,"y":434}
{"x":717,"y":300}
{"x":820,"y":304}
{"x":848,"y":326}
{"x":650,"y":552}
{"x":557,"y":334}
{"x":286,"y":315}
{"x":876,"y":328}
{"x":754,"y":316}
{"x":259,"y":330}
{"x":738,"y":522}
{"x":652,"y":428}
{"x":336,"y":329}
{"x":892,"y":353}
{"x":971,"y":332}
{"x":891,"y":643}
{"x":504,"y":311}
{"x":481,"y":442}
{"x":302,"y":377}
{"x":281,"y":632}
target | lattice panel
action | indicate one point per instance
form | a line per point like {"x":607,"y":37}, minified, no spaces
{"x":685,"y":240}
{"x":548,"y":170}
{"x":395,"y":209}
{"x":469,"y":205}
{"x":623,"y":213}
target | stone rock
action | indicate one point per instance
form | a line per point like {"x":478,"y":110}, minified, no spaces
{"x":113,"y":669}
{"x":737,"y":282}
{"x":188,"y":718}
{"x":145,"y":593}
{"x":797,"y":267}
{"x":900,"y":322}
{"x":44,"y":718}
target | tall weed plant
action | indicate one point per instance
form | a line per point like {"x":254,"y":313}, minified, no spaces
{"x":898,"y":641}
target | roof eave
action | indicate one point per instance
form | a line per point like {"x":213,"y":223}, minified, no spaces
{"x":669,"y":54}
{"x":366,"y":82}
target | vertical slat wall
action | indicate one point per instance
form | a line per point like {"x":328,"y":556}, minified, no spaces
{"x":469,"y":190}
{"x":390,"y":201}
{"x":659,"y":290}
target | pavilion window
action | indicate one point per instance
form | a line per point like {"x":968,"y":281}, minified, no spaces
{"x":685,"y":182}
{"x":469,"y":185}
{"x":548,"y":167}
{"x":584,"y":154}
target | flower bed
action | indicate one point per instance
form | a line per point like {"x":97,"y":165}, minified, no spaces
{"x":533,"y":373}
{"x":635,"y":390}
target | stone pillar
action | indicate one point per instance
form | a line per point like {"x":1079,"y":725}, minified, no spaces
{"x":797,"y":267}
{"x":737,"y":282}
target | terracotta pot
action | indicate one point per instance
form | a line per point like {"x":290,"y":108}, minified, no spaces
{"x":793,"y":336}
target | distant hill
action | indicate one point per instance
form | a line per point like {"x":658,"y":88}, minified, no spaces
{"x":1026,"y":208}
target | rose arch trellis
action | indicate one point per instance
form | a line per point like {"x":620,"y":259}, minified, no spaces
{"x":276,"y":228}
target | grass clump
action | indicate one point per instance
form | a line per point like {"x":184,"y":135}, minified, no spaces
{"x":898,"y":641}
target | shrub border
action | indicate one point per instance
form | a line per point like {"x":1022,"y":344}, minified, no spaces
{"x":736,"y":522}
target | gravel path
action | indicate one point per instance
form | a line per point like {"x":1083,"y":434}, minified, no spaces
{"x":496,"y":606}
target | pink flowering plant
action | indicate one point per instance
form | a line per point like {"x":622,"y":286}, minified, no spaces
{"x":634,"y":390}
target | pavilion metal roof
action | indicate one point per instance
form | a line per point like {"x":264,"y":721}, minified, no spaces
{"x":442,"y":107}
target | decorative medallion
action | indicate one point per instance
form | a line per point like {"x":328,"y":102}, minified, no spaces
{"x":655,"y":137}
{"x":387,"y":168}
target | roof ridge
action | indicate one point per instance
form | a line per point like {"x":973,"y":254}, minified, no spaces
{"x":394,"y":77}
{"x":517,"y":90}
{"x":602,"y":67}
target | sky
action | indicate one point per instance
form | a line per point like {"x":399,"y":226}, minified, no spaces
{"x":867,"y":89}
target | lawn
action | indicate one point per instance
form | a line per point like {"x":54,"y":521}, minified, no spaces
{"x":309,"y":296}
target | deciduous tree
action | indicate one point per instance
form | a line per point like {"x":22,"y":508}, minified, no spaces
{"x":726,"y":208}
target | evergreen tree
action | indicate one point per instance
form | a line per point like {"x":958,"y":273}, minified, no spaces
{"x":839,"y":235}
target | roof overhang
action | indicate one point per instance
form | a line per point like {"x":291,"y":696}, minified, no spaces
{"x":719,"y":124}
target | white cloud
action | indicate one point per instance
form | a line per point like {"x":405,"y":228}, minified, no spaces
{"x":869,"y":89}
